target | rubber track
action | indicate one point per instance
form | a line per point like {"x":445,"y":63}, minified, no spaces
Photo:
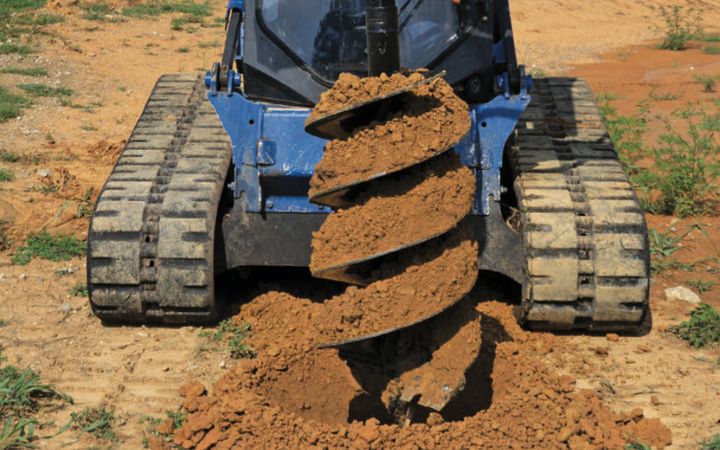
{"x":151,"y":239}
{"x":583,"y":228}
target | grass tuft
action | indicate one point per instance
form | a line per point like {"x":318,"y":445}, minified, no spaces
{"x":234,"y":335}
{"x":20,"y":391}
{"x":27,"y":72}
{"x":703,"y":328}
{"x":79,"y":290}
{"x":11,"y":105}
{"x":712,"y":49}
{"x":43,"y":245}
{"x":6,"y":175}
{"x":96,"y":421}
{"x":8,"y":156}
{"x":711,"y":444}
{"x":43,"y":90}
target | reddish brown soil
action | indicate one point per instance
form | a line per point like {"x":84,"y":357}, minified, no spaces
{"x":431,"y":123}
{"x":425,"y":281}
{"x":531,"y":407}
{"x":420,"y":204}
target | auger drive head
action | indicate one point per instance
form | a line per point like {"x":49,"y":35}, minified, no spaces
{"x":391,"y":145}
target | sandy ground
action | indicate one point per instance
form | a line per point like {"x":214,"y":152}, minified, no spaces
{"x":112,"y":67}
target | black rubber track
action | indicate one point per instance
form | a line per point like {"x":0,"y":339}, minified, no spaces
{"x":583,"y":227}
{"x":151,"y":239}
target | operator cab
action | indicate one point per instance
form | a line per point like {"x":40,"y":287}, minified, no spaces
{"x":293,"y":51}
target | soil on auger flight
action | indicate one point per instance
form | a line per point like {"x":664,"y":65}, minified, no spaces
{"x":429,"y":124}
{"x":418,"y":204}
{"x":419,"y":283}
{"x":291,"y":397}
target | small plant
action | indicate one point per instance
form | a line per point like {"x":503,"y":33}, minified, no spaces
{"x":702,"y":329}
{"x":7,"y":156}
{"x":43,"y":245}
{"x":97,"y":421}
{"x":6,"y":175}
{"x":702,"y":286}
{"x":4,"y":323}
{"x":43,"y":90}
{"x":706,"y":81}
{"x":712,"y":49}
{"x":681,"y":26}
{"x":711,"y":123}
{"x":662,"y":247}
{"x":686,"y":173}
{"x":711,"y":444}
{"x":100,"y":12}
{"x":20,"y":391}
{"x":662,"y":97}
{"x":183,"y":50}
{"x":79,"y":290}
{"x":637,"y":446}
{"x":16,"y":433}
{"x":27,"y":72}
{"x":11,"y":105}
{"x":234,"y":335}
{"x":178,"y":418}
{"x":85,"y":205}
{"x":7,"y":48}
{"x":625,"y":132}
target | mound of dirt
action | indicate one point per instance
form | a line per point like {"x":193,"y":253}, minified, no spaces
{"x":418,"y":205}
{"x":294,"y":397}
{"x":430,"y":123}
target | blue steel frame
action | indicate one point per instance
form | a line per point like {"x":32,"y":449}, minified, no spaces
{"x":274,"y":157}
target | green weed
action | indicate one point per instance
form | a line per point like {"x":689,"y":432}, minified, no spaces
{"x":625,"y":132}
{"x":709,"y":37}
{"x":662,"y":247}
{"x":681,"y":26}
{"x":11,"y":105}
{"x":178,"y":418}
{"x":711,"y":444}
{"x":4,"y":323}
{"x":17,"y":433}
{"x":234,"y":335}
{"x":702,"y":329}
{"x":8,"y":156}
{"x":6,"y":175}
{"x":79,"y":290}
{"x":708,"y":82}
{"x":25,"y":71}
{"x":637,"y":446}
{"x":100,"y":12}
{"x":712,"y":49}
{"x":43,"y":90}
{"x":43,"y":245}
{"x":701,"y":286}
{"x":662,"y":97}
{"x":85,"y":205}
{"x":685,"y":173}
{"x":711,"y":123}
{"x":20,"y":391}
{"x":183,"y":50}
{"x":158,"y":7}
{"x":7,"y":48}
{"x":97,"y":421}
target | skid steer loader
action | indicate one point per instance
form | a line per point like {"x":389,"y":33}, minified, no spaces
{"x":216,"y":174}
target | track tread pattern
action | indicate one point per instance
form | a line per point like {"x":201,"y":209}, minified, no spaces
{"x":583,"y":228}
{"x":151,"y":240}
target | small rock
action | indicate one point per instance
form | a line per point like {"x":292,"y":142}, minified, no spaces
{"x":222,"y":364}
{"x":612,"y":337}
{"x":654,"y":400}
{"x":682,"y":293}
{"x":44,"y":173}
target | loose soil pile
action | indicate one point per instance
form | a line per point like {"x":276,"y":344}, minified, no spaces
{"x":295,"y":397}
{"x":430,"y":123}
{"x":422,"y":203}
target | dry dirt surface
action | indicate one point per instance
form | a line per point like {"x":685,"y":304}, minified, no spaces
{"x":585,"y":389}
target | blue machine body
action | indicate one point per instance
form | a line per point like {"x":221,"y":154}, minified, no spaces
{"x":274,"y":158}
